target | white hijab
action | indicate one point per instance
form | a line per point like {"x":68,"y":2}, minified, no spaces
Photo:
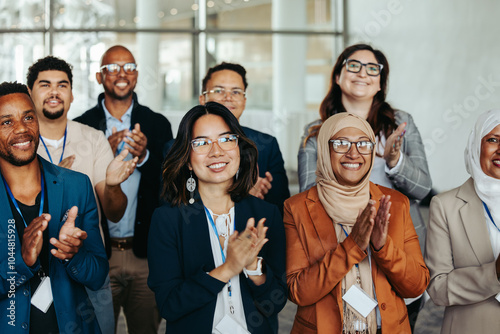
{"x":487,"y":187}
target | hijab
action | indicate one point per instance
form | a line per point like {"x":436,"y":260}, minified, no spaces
{"x":487,"y":187}
{"x":342,"y":203}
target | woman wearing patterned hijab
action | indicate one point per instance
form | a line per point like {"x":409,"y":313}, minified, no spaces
{"x":463,"y":244}
{"x":347,"y":237}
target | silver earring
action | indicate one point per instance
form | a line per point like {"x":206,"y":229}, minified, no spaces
{"x":237,"y":174}
{"x":191,"y":186}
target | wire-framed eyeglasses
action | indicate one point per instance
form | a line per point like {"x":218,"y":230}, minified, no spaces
{"x":114,"y":69}
{"x":220,"y":93}
{"x":354,"y":66}
{"x":226,"y":142}
{"x":343,"y":146}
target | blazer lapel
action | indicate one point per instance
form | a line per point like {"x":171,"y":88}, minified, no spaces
{"x":322,"y":224}
{"x":197,"y":233}
{"x":473,"y":220}
{"x":54,"y":196}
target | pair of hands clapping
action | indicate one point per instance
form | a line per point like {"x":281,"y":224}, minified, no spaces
{"x":69,"y":242}
{"x":242,"y":251}
{"x":372,"y":224}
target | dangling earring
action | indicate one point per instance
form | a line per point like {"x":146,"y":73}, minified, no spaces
{"x":237,"y":174}
{"x":191,"y":186}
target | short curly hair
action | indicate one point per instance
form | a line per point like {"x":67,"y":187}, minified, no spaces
{"x":49,"y":63}
{"x":7,"y":88}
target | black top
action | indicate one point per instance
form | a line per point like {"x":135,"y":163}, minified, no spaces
{"x":42,"y":323}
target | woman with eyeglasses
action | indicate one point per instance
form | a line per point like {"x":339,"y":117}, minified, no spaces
{"x":352,"y":251}
{"x":359,"y":86}
{"x":216,"y":254}
{"x":463,"y":240}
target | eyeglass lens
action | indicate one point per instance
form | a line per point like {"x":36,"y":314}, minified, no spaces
{"x":343,"y":146}
{"x":226,"y":143}
{"x":114,"y":69}
{"x":354,"y":66}
{"x":220,"y":92}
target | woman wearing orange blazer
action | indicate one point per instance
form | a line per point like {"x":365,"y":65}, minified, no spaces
{"x":347,"y":234}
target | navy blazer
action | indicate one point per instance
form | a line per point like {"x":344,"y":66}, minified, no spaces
{"x":271,"y":160}
{"x":88,"y":268}
{"x":180,"y":256}
{"x":158,"y":131}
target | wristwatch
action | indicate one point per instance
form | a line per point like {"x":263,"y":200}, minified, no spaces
{"x":256,"y":272}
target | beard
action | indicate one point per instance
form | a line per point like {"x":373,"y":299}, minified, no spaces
{"x":111,"y":93}
{"x":11,"y":158}
{"x":53,"y":115}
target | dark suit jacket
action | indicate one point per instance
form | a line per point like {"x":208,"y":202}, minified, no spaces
{"x":180,"y":255}
{"x":158,"y":131}
{"x":88,"y":268}
{"x":270,"y":160}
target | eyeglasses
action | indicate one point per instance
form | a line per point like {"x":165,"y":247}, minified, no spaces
{"x":220,"y":93}
{"x":114,"y":69}
{"x":343,"y":146}
{"x":354,"y":66}
{"x":225,"y":142}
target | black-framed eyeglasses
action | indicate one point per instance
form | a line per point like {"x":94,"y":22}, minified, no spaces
{"x":114,"y":69}
{"x":343,"y":146}
{"x":204,"y":145}
{"x":354,"y":66}
{"x":220,"y":93}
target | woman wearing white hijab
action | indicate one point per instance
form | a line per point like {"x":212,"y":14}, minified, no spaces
{"x":463,"y":239}
{"x":347,"y":234}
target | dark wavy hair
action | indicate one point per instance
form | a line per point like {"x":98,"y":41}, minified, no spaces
{"x":225,"y":66}
{"x":49,"y":63}
{"x":381,"y":115}
{"x":175,"y":169}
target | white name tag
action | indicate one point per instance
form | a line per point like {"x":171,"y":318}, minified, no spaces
{"x":42,"y":298}
{"x":359,"y":300}
{"x":229,"y":326}
{"x":498,"y":297}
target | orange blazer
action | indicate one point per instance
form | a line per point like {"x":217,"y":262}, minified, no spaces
{"x":316,"y":264}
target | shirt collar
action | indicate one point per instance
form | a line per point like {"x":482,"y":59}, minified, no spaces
{"x":126,"y":116}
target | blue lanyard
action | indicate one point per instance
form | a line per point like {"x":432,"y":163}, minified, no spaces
{"x":491,"y":218}
{"x":346,"y":235}
{"x":216,"y":233}
{"x":40,"y":211}
{"x":64,"y":146}
{"x":229,"y":290}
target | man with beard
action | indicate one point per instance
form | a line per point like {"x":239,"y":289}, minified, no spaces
{"x":49,"y":229}
{"x":127,"y":124}
{"x":78,"y":147}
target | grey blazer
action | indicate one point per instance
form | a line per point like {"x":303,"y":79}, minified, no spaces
{"x":461,"y":262}
{"x":413,"y":179}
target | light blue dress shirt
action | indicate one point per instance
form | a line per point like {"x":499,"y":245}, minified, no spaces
{"x":130,"y":187}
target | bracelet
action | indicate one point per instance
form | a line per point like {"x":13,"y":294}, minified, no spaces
{"x":256,"y":272}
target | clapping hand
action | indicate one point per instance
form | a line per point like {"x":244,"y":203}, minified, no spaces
{"x":393,"y":144}
{"x":70,"y":237}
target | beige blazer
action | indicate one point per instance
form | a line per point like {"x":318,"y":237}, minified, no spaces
{"x":461,"y":262}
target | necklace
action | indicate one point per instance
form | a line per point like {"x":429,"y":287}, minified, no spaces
{"x":222,"y":223}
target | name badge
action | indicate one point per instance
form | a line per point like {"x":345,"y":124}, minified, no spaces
{"x":359,"y":300}
{"x":42,"y":298}
{"x":498,"y":297}
{"x":229,"y":326}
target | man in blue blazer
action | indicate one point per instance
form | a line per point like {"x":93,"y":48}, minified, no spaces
{"x":49,"y":231}
{"x":226,"y":83}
